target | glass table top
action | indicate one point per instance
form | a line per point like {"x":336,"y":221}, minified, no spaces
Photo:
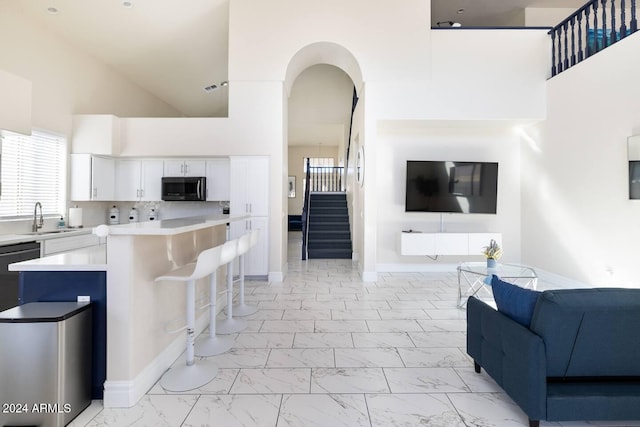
{"x":504,"y":271}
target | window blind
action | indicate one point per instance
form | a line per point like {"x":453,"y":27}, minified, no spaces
{"x":33,"y":170}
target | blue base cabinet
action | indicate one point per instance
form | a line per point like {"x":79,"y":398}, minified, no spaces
{"x":55,"y":286}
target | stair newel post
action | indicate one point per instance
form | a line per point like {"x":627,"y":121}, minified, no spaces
{"x":634,"y":20}
{"x":305,"y":213}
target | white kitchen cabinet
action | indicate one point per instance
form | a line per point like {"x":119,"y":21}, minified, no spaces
{"x":92,"y":178}
{"x":249,"y":185}
{"x":184,"y":168}
{"x":217,"y":179}
{"x":139,"y":180}
{"x":256,"y":261}
{"x":250,"y":195}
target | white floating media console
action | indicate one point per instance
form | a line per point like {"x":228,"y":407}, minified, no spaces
{"x":432,"y":244}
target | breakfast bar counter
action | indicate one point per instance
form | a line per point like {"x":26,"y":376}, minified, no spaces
{"x":138,"y":309}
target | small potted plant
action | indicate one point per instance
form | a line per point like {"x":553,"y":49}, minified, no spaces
{"x":493,"y":252}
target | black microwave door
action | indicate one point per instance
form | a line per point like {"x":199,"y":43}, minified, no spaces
{"x":173,"y":189}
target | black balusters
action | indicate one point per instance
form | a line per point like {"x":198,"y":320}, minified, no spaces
{"x":599,"y":32}
{"x":554,"y":70}
{"x":580,"y":51}
{"x":605,"y":43}
{"x":595,"y":26}
{"x":623,"y":20}
{"x":566,"y":49}
{"x":573,"y":42}
{"x":614,"y":33}
{"x":587,"y":11}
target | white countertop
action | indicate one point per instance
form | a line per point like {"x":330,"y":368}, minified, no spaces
{"x":10,"y":239}
{"x":93,"y":258}
{"x":168,"y":227}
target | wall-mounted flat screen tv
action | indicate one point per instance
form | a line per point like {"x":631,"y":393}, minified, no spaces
{"x":458,"y":187}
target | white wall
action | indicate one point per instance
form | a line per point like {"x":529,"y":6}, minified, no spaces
{"x":578,"y":221}
{"x":400,"y":141}
{"x":65,"y":81}
{"x":546,"y":17}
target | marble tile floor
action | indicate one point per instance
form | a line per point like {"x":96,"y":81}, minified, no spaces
{"x":326,"y":349}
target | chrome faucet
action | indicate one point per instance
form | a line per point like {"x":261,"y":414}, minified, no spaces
{"x":37,"y":224}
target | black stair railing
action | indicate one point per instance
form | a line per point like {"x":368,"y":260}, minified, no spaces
{"x":305,"y":214}
{"x":325,"y":178}
{"x":593,"y":27}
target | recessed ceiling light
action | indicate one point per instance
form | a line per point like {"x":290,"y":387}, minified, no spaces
{"x":52,"y":10}
{"x":127,"y":4}
{"x":460,"y":11}
{"x":224,"y":83}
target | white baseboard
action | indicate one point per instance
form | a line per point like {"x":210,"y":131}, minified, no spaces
{"x":125,"y":394}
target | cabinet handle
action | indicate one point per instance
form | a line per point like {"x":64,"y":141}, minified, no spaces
{"x":246,"y":208}
{"x":182,"y":168}
{"x":250,"y":207}
{"x":95,"y":192}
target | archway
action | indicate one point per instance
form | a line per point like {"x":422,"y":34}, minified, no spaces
{"x":316,"y":73}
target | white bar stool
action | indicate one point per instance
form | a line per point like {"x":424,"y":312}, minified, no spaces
{"x":230,"y":325}
{"x":191,"y":376}
{"x":245,"y":243}
{"x":214,"y":344}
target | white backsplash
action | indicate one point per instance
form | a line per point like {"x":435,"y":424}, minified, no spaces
{"x":96,"y":213}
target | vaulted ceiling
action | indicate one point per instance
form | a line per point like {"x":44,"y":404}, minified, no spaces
{"x":176,"y":48}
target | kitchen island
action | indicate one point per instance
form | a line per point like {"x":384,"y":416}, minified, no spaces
{"x":139,"y":310}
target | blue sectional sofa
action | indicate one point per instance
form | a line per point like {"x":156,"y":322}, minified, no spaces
{"x":578,"y":360}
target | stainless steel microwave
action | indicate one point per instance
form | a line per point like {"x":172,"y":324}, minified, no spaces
{"x":184,"y":188}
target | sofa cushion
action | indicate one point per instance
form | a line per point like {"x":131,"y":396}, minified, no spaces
{"x":514,"y":301}
{"x":589,"y":332}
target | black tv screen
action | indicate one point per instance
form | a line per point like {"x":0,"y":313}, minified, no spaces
{"x":459,"y":187}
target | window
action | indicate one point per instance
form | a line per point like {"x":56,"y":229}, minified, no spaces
{"x":33,"y":169}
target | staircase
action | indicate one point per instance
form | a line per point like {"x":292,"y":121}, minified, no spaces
{"x":329,"y":235}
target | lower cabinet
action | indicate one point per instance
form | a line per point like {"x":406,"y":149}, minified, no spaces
{"x":256,"y":261}
{"x":52,"y":286}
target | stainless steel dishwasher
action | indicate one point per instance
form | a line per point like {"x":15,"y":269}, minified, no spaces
{"x":9,"y":279}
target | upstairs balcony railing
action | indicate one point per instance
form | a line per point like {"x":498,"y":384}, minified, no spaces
{"x":593,"y":27}
{"x":325,"y":178}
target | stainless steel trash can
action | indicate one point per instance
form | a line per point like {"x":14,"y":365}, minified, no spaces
{"x":45,"y":363}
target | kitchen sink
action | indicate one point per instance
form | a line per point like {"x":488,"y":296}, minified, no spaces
{"x":45,"y":232}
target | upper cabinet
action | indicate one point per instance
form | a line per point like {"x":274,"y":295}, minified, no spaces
{"x":249,"y":185}
{"x":217,"y":179}
{"x":15,"y":108}
{"x":92,"y":178}
{"x":184,"y":168}
{"x":96,"y":134}
{"x":138,"y":180}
